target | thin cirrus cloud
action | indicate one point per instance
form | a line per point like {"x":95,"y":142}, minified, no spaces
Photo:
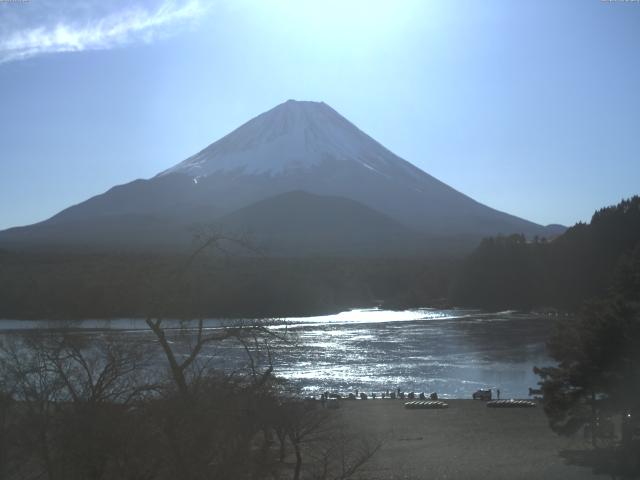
{"x":128,"y":25}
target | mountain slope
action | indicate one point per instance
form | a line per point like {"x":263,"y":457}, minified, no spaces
{"x":309,"y":146}
{"x":299,"y":223}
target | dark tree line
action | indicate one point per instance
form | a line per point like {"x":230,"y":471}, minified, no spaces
{"x":52,"y":285}
{"x":513,"y":272}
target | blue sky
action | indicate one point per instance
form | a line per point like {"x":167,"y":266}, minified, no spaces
{"x":529,"y":107}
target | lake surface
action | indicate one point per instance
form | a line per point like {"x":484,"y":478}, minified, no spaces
{"x":452,"y":352}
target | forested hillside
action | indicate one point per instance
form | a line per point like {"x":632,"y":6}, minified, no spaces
{"x":512,"y":272}
{"x":76,"y":286}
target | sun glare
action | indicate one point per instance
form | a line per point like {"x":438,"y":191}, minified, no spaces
{"x":335,"y":24}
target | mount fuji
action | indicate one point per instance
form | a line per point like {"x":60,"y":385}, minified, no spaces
{"x":299,"y":178}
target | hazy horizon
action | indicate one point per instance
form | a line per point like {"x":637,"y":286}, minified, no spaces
{"x":530,"y":108}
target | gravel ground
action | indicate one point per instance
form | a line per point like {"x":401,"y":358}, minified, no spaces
{"x":466,"y":440}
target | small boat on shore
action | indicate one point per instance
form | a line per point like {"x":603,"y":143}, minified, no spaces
{"x":511,"y":403}
{"x":425,"y":405}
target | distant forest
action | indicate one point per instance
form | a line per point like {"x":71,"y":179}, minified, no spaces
{"x":503,"y":272}
{"x":74,"y":286}
{"x":584,"y":262}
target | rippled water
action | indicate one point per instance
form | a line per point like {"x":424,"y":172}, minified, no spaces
{"x":452,"y":352}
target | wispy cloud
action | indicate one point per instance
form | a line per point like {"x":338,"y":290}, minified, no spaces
{"x":130,"y":24}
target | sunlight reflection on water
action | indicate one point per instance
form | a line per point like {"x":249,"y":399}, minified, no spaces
{"x":453,"y":352}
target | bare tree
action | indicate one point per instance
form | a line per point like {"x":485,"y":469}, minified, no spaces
{"x":342,"y":454}
{"x":74,"y":396}
{"x":105,"y":406}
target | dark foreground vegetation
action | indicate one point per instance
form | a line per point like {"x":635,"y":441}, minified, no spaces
{"x":153,"y":406}
{"x":594,"y":389}
{"x":110,"y":407}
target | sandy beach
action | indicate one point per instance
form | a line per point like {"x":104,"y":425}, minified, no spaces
{"x":466,"y":440}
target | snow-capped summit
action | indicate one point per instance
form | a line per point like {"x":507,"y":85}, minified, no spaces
{"x":291,"y":136}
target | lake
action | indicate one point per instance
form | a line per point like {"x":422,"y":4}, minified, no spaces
{"x":452,"y":352}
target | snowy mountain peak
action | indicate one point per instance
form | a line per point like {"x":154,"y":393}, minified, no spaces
{"x":292,"y":136}
{"x":303,"y":147}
